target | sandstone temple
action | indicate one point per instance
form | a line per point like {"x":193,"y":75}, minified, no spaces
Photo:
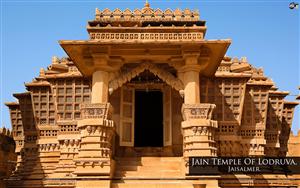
{"x":129,"y":105}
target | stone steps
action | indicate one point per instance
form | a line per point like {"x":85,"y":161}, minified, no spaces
{"x":149,"y":160}
{"x":148,"y":167}
{"x":149,"y":175}
{"x":151,"y":184}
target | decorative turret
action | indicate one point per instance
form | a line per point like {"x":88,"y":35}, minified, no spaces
{"x":147,"y":5}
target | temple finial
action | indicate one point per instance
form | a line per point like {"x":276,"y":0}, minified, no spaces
{"x":97,"y":11}
{"x":147,"y":4}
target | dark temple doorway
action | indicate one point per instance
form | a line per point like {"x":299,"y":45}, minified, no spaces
{"x":148,"y":131}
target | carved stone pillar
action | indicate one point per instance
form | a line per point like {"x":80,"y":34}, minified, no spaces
{"x":189,"y":74}
{"x":94,"y":164}
{"x":100,"y":87}
{"x":198,"y":128}
{"x":191,"y":89}
{"x":94,"y":160}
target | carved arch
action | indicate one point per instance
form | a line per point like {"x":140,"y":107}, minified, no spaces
{"x":162,"y":74}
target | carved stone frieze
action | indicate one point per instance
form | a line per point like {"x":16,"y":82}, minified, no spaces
{"x":69,"y":142}
{"x":96,"y":130}
{"x":49,"y":147}
{"x":64,"y":122}
{"x":146,"y":36}
{"x":197,"y":111}
{"x":92,"y":111}
{"x":92,"y":163}
{"x":200,"y":130}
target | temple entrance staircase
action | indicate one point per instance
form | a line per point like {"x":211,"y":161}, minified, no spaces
{"x":149,"y":172}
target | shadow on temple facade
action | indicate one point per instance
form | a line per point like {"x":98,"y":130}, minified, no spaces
{"x":7,"y":155}
{"x":25,"y":135}
{"x":236,"y":114}
{"x":252,"y":108}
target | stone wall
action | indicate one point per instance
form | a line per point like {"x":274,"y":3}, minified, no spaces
{"x":294,"y":145}
{"x":7,"y":155}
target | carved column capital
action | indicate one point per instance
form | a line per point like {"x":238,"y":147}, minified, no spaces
{"x":96,"y":110}
{"x":198,"y":130}
{"x":197,"y":111}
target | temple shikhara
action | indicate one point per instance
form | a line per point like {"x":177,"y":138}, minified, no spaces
{"x":132,"y":103}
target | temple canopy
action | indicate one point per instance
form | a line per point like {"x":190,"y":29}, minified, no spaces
{"x":142,"y":35}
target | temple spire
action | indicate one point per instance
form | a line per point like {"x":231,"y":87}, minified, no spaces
{"x":147,"y":4}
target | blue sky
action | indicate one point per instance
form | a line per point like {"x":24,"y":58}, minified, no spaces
{"x":266,"y":32}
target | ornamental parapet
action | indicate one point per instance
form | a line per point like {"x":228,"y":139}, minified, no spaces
{"x":146,"y":14}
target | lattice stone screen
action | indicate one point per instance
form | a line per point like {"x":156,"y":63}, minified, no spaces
{"x":227,"y":94}
{"x":43,"y":105}
{"x":69,"y":94}
{"x":16,"y":121}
